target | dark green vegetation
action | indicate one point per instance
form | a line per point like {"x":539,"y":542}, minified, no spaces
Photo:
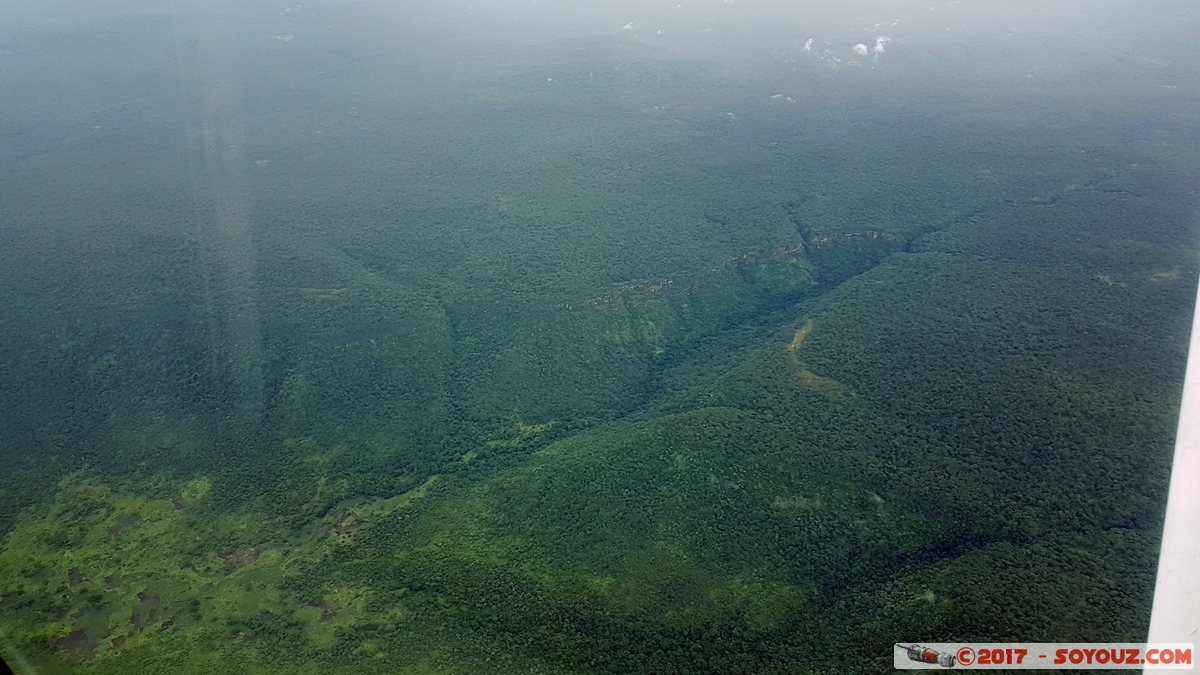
{"x":543,"y":362}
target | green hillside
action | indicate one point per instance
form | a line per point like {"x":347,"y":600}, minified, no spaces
{"x":492,"y":378}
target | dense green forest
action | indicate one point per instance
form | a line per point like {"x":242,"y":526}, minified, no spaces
{"x":332,"y":344}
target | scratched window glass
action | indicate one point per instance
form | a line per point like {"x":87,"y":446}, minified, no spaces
{"x":751,"y":336}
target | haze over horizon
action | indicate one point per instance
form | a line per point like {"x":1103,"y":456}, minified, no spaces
{"x":586,"y":337}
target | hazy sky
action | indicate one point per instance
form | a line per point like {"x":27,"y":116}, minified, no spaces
{"x":752,"y":24}
{"x":58,"y":58}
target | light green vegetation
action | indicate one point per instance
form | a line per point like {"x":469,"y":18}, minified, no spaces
{"x":516,"y":360}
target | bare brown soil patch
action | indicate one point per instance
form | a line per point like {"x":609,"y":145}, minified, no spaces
{"x":125,"y":522}
{"x":236,"y":558}
{"x":76,"y":644}
{"x":349,"y":523}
